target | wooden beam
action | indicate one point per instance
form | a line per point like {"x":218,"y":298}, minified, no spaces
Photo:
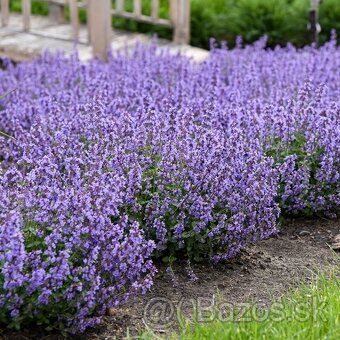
{"x":74,"y":19}
{"x":26,"y":12}
{"x":314,"y":26}
{"x":88,"y":20}
{"x":100,"y":30}
{"x":137,"y":8}
{"x":173,"y":11}
{"x":120,"y":6}
{"x":181,"y":17}
{"x":4,"y":12}
{"x":155,"y":10}
{"x":56,"y":13}
{"x":143,"y":18}
{"x":314,"y":5}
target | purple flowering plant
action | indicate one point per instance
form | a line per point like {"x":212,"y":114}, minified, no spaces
{"x":153,"y":156}
{"x":1,"y":132}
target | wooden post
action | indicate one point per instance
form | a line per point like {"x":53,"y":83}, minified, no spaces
{"x":181,"y":19}
{"x":100,"y":29}
{"x":119,"y":6}
{"x":26,"y":12}
{"x":88,"y":20}
{"x":137,"y":8}
{"x":74,"y":19}
{"x":4,"y":12}
{"x":155,"y":10}
{"x":314,"y":26}
{"x":56,"y":13}
{"x":173,"y":11}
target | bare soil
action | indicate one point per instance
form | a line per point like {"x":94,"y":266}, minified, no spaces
{"x":262,"y":272}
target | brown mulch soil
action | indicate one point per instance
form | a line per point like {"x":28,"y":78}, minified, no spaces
{"x":260,"y":273}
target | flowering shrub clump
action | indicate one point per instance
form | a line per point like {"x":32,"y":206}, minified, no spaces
{"x":152,"y":155}
{"x":288,"y":100}
{"x":64,"y":259}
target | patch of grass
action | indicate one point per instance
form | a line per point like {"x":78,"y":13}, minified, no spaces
{"x":311,"y":311}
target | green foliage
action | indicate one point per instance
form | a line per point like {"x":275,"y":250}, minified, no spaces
{"x":305,"y":158}
{"x":282,"y":20}
{"x":252,"y":19}
{"x":195,"y":246}
{"x":38,"y":7}
{"x":279,"y":150}
{"x":329,"y":19}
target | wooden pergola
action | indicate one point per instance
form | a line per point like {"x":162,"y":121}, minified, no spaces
{"x":99,"y":18}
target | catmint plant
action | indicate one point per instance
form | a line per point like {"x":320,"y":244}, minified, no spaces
{"x":150,"y":155}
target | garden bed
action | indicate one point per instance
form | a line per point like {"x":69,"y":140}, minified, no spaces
{"x":261,"y":273}
{"x":108,"y":169}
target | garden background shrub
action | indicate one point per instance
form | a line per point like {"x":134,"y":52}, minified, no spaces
{"x":329,"y":18}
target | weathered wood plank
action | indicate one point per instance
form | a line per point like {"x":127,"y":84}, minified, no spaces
{"x":143,"y":18}
{"x":155,"y":10}
{"x":100,"y":28}
{"x":181,"y":18}
{"x":57,"y":2}
{"x":56,"y":13}
{"x":88,"y":20}
{"x":26,"y":12}
{"x":4,"y":12}
{"x":137,"y":8}
{"x":173,"y":11}
{"x":120,"y":6}
{"x":314,"y":4}
{"x":74,"y":18}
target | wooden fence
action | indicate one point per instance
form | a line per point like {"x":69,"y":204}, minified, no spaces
{"x":99,"y":18}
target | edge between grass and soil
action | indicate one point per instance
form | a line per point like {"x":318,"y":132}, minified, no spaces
{"x":310,"y":311}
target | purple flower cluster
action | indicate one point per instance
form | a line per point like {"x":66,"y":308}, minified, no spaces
{"x":288,"y":100}
{"x":153,"y":155}
{"x":64,"y":261}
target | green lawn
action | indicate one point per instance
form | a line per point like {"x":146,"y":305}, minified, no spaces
{"x":311,"y":312}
